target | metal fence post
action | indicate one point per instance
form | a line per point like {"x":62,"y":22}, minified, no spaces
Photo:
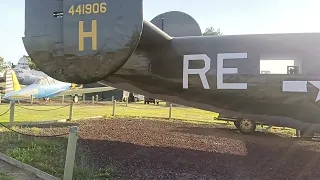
{"x":62,"y":99}
{"x":31,"y":99}
{"x":11,"y":113}
{"x":170,"y":111}
{"x":71,"y":111}
{"x":112,"y":99}
{"x":114,"y":107}
{"x":167,"y":104}
{"x":97,"y":98}
{"x":127,"y":101}
{"x":92,"y":100}
{"x":71,"y":152}
{"x":84,"y":97}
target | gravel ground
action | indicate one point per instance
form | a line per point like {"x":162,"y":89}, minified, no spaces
{"x":149,"y":149}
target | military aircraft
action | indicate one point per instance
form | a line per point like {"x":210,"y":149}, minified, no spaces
{"x":25,"y":75}
{"x":45,"y":87}
{"x":167,"y":58}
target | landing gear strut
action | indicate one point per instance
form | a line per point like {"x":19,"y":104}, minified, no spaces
{"x":245,"y":126}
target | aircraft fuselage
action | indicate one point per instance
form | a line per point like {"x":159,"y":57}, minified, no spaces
{"x":222,"y":74}
{"x":38,"y":91}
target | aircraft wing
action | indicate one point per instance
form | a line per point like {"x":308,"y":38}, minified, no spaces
{"x":86,"y":90}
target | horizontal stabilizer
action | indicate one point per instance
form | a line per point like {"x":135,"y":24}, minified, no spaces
{"x":177,"y":24}
{"x":151,"y":34}
{"x":162,"y":28}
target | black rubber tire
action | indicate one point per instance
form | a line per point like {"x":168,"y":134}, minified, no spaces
{"x":246,"y":126}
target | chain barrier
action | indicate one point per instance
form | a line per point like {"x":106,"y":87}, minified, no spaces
{"x":30,"y":135}
{"x":61,"y":107}
{"x":159,"y":107}
{"x":185,"y":109}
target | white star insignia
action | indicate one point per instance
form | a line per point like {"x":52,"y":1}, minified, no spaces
{"x":317,"y":85}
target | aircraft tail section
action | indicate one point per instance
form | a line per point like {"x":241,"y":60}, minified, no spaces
{"x":163,"y":27}
{"x":12,"y":83}
{"x":23,"y":63}
{"x":115,"y":33}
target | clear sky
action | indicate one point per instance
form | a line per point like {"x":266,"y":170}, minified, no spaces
{"x":231,"y":16}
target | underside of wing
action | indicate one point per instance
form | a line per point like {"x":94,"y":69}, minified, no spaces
{"x":56,"y":93}
{"x":86,"y":90}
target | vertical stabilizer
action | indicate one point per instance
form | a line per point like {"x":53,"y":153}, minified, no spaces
{"x":23,"y":63}
{"x":12,"y":83}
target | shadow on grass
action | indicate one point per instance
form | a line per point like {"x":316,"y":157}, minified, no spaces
{"x":222,"y":132}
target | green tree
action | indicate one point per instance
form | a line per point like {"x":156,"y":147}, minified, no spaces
{"x":212,"y":32}
{"x":31,"y":64}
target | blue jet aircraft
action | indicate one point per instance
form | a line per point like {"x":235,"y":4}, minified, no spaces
{"x":45,"y":87}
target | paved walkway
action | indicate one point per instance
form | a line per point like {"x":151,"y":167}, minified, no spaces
{"x":17,"y":173}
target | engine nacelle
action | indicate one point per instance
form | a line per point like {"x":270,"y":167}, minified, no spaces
{"x":82,"y":41}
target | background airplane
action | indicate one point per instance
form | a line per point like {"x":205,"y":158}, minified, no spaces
{"x":45,"y":87}
{"x":25,"y":75}
{"x":167,"y":58}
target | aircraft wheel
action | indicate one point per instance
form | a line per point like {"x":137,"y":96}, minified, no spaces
{"x":246,"y":126}
{"x":75,"y":98}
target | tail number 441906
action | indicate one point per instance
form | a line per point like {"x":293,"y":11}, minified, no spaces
{"x":83,"y":9}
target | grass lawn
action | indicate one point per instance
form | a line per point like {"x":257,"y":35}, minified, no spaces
{"x":49,"y":156}
{"x":39,"y":113}
{"x":4,"y":176}
{"x":35,"y":113}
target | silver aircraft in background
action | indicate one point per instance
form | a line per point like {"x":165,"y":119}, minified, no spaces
{"x":25,"y":75}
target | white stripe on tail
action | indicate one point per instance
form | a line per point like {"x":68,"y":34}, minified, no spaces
{"x":12,"y":83}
